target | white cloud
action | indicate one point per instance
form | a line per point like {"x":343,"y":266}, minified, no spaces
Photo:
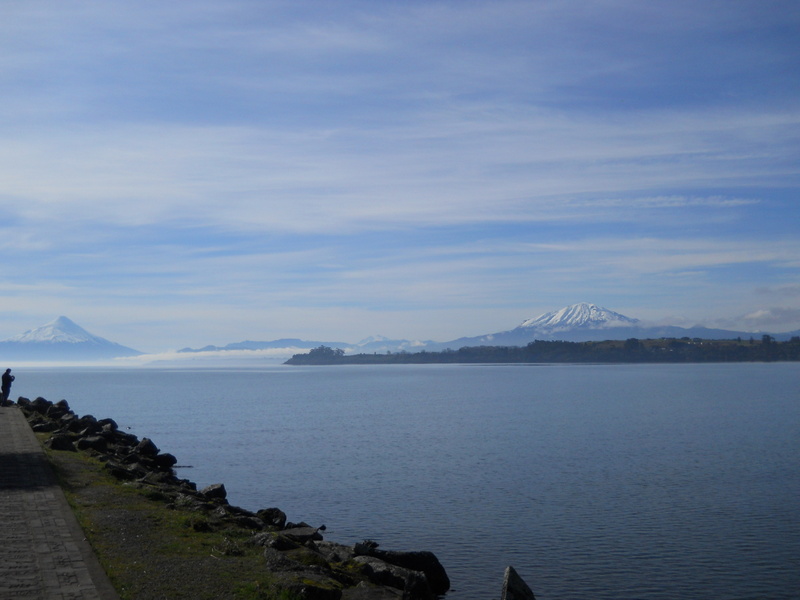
{"x":434,"y":173}
{"x":189,"y":359}
{"x":272,"y":166}
{"x":772,"y":320}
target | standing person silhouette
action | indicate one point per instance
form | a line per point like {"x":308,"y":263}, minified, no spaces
{"x":6,"y":387}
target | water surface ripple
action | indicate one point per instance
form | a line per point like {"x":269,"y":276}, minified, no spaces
{"x":596,"y":482}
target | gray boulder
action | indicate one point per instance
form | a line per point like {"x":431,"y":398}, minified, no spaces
{"x":120,"y":437}
{"x":46,"y":427}
{"x":61,"y":442}
{"x":56,"y":412}
{"x":274,"y":517}
{"x":94,"y":442}
{"x":335,"y":553}
{"x":67,"y":421}
{"x":414,"y":584}
{"x":215,"y":491}
{"x":40,"y":405}
{"x":423,"y":561}
{"x":165,"y":461}
{"x":302,"y":534}
{"x":274,"y":540}
{"x":109,"y":424}
{"x":514,"y":587}
{"x":147,"y":448}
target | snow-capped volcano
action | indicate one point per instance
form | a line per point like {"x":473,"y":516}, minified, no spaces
{"x":578,"y":316}
{"x":60,"y":330}
{"x":61,"y":339}
{"x":579,"y":322}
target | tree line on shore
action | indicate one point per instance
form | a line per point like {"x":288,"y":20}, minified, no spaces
{"x":633,"y":350}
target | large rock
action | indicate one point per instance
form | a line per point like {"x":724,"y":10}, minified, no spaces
{"x":165,"y":460}
{"x":423,"y":561}
{"x":302,"y":534}
{"x":274,"y":517}
{"x":56,"y":412}
{"x":414,"y":584}
{"x":514,"y":587}
{"x":61,"y":442}
{"x":40,"y":405}
{"x":335,"y":553}
{"x":67,"y":421}
{"x":147,"y":448}
{"x":120,"y":438}
{"x":215,"y":491}
{"x":274,"y":540}
{"x":109,"y":424}
{"x":46,"y":427}
{"x":94,"y":442}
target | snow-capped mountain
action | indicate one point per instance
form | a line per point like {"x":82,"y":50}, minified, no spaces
{"x":585,"y":322}
{"x":61,"y":339}
{"x":60,"y":330}
{"x":576,"y":323}
{"x":578,"y":316}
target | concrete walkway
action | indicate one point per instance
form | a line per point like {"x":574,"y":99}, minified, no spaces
{"x":43,"y":554}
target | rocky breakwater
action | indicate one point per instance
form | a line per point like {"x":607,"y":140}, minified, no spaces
{"x":303,"y":563}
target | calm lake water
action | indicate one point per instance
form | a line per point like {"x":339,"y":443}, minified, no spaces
{"x":595,"y":482}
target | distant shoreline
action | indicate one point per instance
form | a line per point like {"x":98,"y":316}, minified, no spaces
{"x":631,"y":351}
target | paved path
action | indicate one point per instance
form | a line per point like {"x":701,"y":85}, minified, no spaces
{"x":43,"y":554}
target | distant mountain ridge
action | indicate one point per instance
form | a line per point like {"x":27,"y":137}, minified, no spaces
{"x":251,"y":345}
{"x":370,"y":344}
{"x":581,"y":322}
{"x":586,"y":322}
{"x":64,"y":340}
{"x":61,"y":340}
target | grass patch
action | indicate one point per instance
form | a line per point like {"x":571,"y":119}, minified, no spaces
{"x":153,"y":552}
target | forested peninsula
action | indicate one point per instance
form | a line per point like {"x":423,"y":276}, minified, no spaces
{"x":664,"y":350}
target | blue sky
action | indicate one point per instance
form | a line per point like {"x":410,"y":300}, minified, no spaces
{"x":185,"y":173}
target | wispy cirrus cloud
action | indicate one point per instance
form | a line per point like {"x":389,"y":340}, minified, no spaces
{"x":783,"y":291}
{"x":316,"y":180}
{"x":252,"y":162}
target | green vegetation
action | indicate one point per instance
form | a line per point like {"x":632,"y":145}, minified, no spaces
{"x":153,"y":550}
{"x":664,"y":350}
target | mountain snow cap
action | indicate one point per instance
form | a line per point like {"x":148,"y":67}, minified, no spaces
{"x":581,"y":315}
{"x":60,"y":330}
